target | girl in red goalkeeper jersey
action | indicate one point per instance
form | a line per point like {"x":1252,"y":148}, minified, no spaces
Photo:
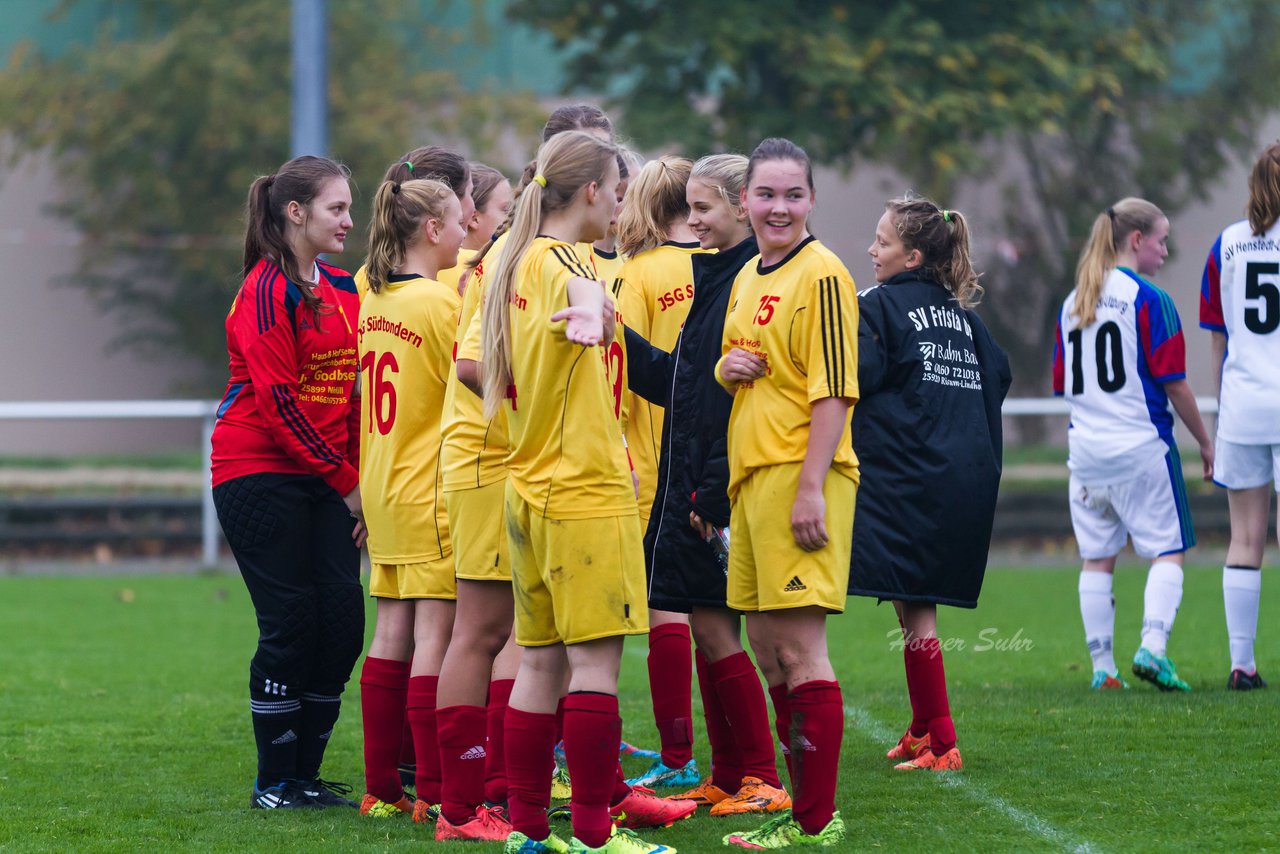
{"x":791,"y":362}
{"x":285,"y":450}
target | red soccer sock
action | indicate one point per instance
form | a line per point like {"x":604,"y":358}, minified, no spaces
{"x":531,"y":740}
{"x":742,"y":698}
{"x":919,"y":726}
{"x":592,"y":731}
{"x":931,"y":694}
{"x":782,"y":724}
{"x":620,"y":786}
{"x":670,"y":684}
{"x":817,"y":709}
{"x":462,"y":758}
{"x":383,"y":686}
{"x":495,"y":764}
{"x":560,"y":721}
{"x":726,"y":770}
{"x":407,"y":757}
{"x":426,"y":750}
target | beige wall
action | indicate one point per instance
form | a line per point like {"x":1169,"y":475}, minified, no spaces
{"x":54,"y":341}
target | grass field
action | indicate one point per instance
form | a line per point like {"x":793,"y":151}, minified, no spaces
{"x":124,"y":727}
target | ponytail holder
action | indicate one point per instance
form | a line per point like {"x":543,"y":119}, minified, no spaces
{"x":1111,"y":212}
{"x":395,"y":186}
{"x":540,"y":181}
{"x":270,"y":182}
{"x":409,"y":166}
{"x":946,"y":216}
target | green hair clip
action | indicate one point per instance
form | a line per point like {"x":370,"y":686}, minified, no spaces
{"x":409,"y":165}
{"x":946,"y":216}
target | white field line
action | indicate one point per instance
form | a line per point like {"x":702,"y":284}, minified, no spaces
{"x":1029,"y":822}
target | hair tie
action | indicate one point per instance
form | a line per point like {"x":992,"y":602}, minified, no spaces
{"x":946,"y":216}
{"x":1111,"y":212}
{"x":540,"y":181}
{"x":271,"y":180}
{"x":409,"y":166}
{"x":395,"y":186}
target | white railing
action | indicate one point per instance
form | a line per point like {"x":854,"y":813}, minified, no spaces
{"x":206,"y":411}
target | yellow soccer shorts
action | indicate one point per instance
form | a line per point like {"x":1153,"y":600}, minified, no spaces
{"x":767,"y":570}
{"x":432,"y":579}
{"x":478,"y":533}
{"x":574,"y":580}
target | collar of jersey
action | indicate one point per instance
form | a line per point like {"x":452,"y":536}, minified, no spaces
{"x":764,"y":271}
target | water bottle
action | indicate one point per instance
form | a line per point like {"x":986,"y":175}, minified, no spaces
{"x":720,"y":544}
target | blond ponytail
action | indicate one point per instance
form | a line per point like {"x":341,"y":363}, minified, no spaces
{"x":1110,"y":229}
{"x":398,"y":212}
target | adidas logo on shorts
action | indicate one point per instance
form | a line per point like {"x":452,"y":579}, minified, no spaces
{"x":476,"y":752}
{"x":794,"y":585}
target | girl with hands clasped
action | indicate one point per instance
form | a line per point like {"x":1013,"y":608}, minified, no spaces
{"x":791,"y":362}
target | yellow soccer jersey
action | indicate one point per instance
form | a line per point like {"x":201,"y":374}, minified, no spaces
{"x":406,"y":344}
{"x":608,"y":266}
{"x":654,"y":291}
{"x":475,"y":448}
{"x":444,"y":277}
{"x":801,"y":317}
{"x":450,"y":276}
{"x":567,"y":458}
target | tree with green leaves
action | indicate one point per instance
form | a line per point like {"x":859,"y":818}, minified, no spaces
{"x":1033,"y":115}
{"x":160,"y":124}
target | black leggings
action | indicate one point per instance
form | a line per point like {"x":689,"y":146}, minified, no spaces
{"x":291,"y":537}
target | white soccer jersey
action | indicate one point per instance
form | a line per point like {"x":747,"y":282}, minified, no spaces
{"x":1113,"y":373}
{"x":1240,"y":296}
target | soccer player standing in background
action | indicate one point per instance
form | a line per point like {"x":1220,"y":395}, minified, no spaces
{"x":407,"y":324}
{"x":654,"y":291}
{"x":285,"y":451}
{"x":572,"y":526}
{"x":927,"y":433}
{"x":791,"y":362}
{"x":1120,"y":360}
{"x":1240,"y":304}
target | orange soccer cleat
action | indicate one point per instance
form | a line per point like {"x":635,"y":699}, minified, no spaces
{"x":375,"y":808}
{"x":930,"y":761}
{"x":755,"y":796}
{"x":642,"y":808}
{"x":704,"y":794}
{"x":909,"y":747}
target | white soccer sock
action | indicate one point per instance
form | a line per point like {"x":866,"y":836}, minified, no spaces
{"x":1098,"y":610}
{"x":1241,"y":589}
{"x":1160,"y":605}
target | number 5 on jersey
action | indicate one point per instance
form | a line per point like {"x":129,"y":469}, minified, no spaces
{"x":382,"y":389}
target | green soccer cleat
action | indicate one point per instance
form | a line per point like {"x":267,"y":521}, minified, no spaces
{"x":660,"y":775}
{"x":621,"y":841}
{"x":783,"y":831}
{"x":1159,"y":670}
{"x":1104,"y":681}
{"x":518,"y":843}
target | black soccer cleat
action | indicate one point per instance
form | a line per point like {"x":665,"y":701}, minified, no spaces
{"x":1241,"y":681}
{"x":327,"y":793}
{"x":284,"y":795}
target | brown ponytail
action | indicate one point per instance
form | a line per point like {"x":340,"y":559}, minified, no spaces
{"x":300,"y":180}
{"x":942,"y":239}
{"x":1264,"y":190}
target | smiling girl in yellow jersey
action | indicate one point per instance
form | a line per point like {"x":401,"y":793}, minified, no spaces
{"x":405,"y":334}
{"x":572,"y":526}
{"x":791,"y":362}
